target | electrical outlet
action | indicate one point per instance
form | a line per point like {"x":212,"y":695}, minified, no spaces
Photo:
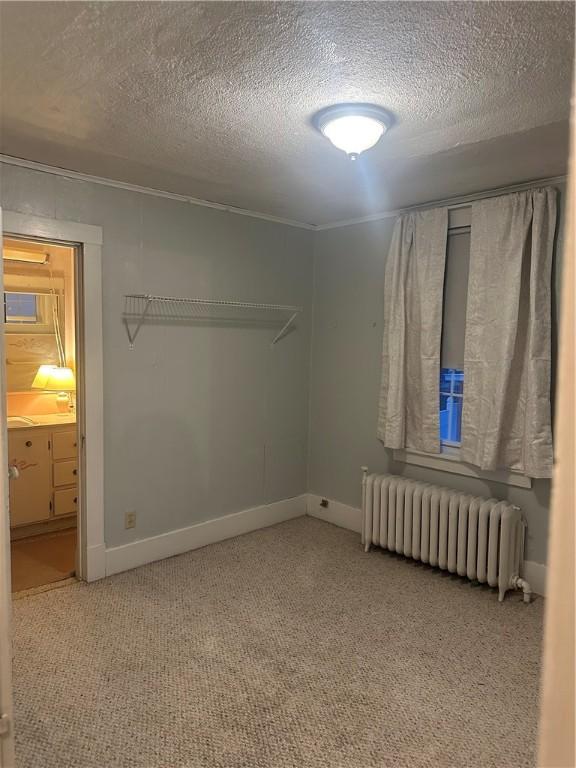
{"x":130,"y":520}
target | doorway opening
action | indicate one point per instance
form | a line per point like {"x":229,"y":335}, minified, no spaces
{"x":42,"y":349}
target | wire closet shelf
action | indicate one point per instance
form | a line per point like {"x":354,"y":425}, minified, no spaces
{"x":140,"y":308}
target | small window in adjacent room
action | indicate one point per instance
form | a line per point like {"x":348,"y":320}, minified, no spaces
{"x":20,"y":308}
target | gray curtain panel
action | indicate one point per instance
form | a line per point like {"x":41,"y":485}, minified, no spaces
{"x":414,"y":277}
{"x":507,"y":357}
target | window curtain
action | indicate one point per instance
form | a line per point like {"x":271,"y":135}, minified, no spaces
{"x":413,"y":287}
{"x":506,"y":420}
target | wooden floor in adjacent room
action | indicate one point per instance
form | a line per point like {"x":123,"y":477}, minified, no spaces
{"x":41,"y":560}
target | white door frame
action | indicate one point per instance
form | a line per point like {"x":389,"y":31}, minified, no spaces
{"x":92,"y":550}
{"x":6,"y":713}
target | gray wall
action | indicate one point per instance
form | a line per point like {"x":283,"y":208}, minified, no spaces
{"x":203,"y":420}
{"x":345,"y":380}
{"x":199,"y":420}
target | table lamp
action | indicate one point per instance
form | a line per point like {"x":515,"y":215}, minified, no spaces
{"x":56,"y":378}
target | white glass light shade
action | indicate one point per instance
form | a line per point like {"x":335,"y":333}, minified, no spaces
{"x":353,"y":128}
{"x":353,"y":133}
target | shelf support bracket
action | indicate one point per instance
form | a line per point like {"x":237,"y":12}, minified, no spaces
{"x":282,"y":332}
{"x":132,"y":334}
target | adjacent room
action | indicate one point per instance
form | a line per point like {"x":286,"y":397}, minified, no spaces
{"x":283,"y":286}
{"x":39,"y":359}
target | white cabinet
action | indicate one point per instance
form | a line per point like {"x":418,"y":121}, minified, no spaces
{"x":46,"y":458}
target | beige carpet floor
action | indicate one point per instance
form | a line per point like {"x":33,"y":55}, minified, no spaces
{"x":288,"y":647}
{"x":44,"y":559}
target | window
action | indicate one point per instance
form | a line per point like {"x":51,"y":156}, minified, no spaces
{"x":20,"y":308}
{"x":451,"y":389}
{"x":451,"y":398}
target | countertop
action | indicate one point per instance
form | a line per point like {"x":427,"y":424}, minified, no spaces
{"x":48,"y":420}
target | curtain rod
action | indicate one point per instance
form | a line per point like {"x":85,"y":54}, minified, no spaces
{"x":467,"y":200}
{"x":452,"y":203}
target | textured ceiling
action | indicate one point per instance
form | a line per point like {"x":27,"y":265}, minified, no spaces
{"x":214,"y":100}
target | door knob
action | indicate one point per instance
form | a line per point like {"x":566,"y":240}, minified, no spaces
{"x":13,"y":472}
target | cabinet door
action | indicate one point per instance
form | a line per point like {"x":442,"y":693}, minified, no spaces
{"x":30,"y":494}
{"x":65,"y":473}
{"x":63,"y":444}
{"x":66,"y":501}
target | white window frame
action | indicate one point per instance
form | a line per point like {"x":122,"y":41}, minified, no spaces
{"x":449,"y":461}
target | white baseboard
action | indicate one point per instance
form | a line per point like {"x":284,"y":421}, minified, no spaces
{"x":144,"y":551}
{"x":336,"y":513}
{"x":351,"y":517}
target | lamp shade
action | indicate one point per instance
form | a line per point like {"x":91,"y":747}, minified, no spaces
{"x":42,"y":376}
{"x":55,"y":378}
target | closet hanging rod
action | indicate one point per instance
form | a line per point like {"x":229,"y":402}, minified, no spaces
{"x":141,"y":306}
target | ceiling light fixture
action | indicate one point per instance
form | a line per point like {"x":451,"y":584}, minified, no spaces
{"x":353,"y":128}
{"x":30,"y":257}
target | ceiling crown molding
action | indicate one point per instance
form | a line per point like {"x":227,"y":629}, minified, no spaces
{"x":450,"y":202}
{"x":55,"y":171}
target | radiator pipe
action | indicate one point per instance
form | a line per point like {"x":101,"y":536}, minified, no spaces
{"x":364,"y":539}
{"x":522,"y":584}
